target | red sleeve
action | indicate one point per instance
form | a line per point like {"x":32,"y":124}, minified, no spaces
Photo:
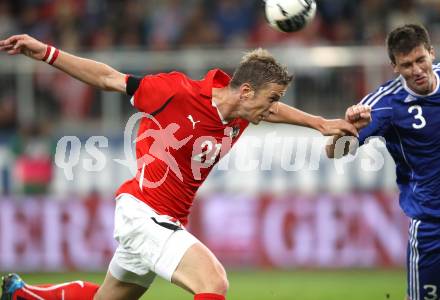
{"x":153,"y":92}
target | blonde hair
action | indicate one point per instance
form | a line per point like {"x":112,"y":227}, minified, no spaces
{"x":258,"y":68}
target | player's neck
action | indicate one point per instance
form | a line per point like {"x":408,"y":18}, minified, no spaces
{"x":225,"y":101}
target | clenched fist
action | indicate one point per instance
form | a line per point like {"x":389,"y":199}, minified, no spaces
{"x":359,"y":115}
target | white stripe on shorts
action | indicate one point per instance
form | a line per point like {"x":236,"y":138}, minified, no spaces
{"x":414,"y":285}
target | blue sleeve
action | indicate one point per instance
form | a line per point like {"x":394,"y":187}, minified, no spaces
{"x":379,"y":126}
{"x":380,"y":102}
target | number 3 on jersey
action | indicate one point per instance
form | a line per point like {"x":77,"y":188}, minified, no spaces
{"x":418,"y":116}
{"x":431,"y":292}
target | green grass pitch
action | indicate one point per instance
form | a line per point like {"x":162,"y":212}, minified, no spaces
{"x":279,"y":285}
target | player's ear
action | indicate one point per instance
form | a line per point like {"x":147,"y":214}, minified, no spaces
{"x":394,"y":66}
{"x":432,"y":53}
{"x":246,"y":91}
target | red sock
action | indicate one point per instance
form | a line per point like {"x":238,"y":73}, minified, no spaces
{"x":209,"y":296}
{"x":64,"y":291}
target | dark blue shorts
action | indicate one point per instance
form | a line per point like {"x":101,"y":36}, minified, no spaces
{"x":423,"y":260}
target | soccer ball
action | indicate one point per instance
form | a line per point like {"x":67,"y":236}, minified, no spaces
{"x":289,"y":15}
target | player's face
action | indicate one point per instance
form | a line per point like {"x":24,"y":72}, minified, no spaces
{"x":263,"y":102}
{"x":416,"y":69}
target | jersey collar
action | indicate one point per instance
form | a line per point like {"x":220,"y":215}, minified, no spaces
{"x":215,"y":78}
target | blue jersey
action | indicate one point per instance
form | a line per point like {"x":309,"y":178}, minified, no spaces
{"x":410,"y":124}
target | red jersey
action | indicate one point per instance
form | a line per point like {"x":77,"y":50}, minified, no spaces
{"x":180,"y":139}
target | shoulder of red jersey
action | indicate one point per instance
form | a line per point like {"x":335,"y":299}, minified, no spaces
{"x":133,"y":82}
{"x":151,"y":92}
{"x":215,"y":78}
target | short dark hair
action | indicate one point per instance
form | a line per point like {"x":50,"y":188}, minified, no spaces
{"x":404,"y":39}
{"x":259,"y":68}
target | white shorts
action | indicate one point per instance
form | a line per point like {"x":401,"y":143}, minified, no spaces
{"x":149,"y":243}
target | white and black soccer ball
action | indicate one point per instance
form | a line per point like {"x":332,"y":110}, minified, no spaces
{"x":289,"y":15}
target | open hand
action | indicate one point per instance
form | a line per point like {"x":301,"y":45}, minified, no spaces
{"x":24,"y":44}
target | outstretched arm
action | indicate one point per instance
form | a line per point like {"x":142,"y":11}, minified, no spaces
{"x":283,"y":113}
{"x":358,"y":115}
{"x":89,"y":71}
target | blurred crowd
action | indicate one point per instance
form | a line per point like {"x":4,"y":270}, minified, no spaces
{"x":174,"y":24}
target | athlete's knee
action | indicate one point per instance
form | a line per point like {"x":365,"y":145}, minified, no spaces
{"x":216,"y":283}
{"x":220,"y":283}
{"x":223,"y":286}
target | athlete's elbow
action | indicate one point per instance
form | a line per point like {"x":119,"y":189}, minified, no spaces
{"x":111,"y":80}
{"x":106,"y":84}
{"x":112,"y":83}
